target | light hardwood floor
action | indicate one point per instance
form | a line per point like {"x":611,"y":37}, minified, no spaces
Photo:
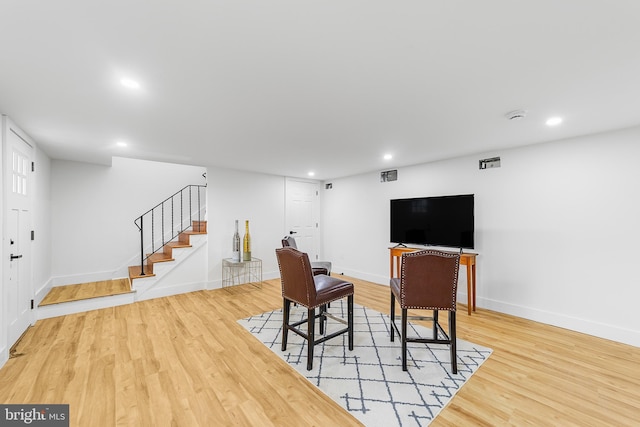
{"x":184,"y":360}
{"x":104,"y":288}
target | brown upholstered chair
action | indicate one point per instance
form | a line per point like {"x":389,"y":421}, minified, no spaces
{"x":299,"y":285}
{"x":319,"y":267}
{"x":428,"y":281}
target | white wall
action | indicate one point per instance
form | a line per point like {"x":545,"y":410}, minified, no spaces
{"x":556,"y":229}
{"x":41,"y":249}
{"x":93,"y":209}
{"x":4,"y":347}
{"x":258,"y":198}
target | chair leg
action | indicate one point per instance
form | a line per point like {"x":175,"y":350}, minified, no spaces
{"x":311,"y":321}
{"x":404,"y":339}
{"x":323,"y":318}
{"x":452,"y":337}
{"x":286,"y":308}
{"x":350,"y":320}
{"x":392,"y":315}
{"x":435,"y":324}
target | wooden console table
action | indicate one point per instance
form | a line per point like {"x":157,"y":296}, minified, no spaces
{"x":467,"y":259}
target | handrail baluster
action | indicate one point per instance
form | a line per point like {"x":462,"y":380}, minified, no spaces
{"x":142,"y":246}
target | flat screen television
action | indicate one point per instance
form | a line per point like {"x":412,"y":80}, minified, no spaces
{"x":435,"y":221}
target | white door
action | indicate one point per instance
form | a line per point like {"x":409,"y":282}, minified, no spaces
{"x":18,"y":289}
{"x":302,"y":215}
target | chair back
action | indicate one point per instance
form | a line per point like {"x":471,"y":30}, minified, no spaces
{"x":288,"y":241}
{"x":429,"y":279}
{"x":296,"y":276}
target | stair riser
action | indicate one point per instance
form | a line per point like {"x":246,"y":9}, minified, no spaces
{"x":199,"y":226}
{"x":81,"y":306}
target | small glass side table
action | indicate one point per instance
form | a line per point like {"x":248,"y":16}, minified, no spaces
{"x":239,"y":272}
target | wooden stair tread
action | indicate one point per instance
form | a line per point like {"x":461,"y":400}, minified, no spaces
{"x":159,"y":257}
{"x":83,"y":291}
{"x":136,"y":273}
{"x":178,"y":244}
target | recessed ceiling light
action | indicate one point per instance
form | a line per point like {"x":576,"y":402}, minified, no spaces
{"x":129,"y":83}
{"x":311,"y":173}
{"x":554,"y":121}
{"x":121,"y":144}
{"x":388,"y":157}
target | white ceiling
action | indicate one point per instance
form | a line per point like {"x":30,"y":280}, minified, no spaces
{"x":289,"y":86}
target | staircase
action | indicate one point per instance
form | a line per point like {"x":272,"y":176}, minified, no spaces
{"x":166,"y":255}
{"x":170,"y":233}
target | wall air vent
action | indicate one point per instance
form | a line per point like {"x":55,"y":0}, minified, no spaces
{"x":386,"y":176}
{"x":493,"y":162}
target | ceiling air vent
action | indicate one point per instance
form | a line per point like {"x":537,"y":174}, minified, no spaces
{"x":386,"y":176}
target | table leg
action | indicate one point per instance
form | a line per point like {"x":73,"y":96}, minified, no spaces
{"x":473,"y":275}
{"x":469,"y":286}
{"x":391,"y":266}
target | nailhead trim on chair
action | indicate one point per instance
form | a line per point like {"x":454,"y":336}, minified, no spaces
{"x":308,"y":296}
{"x":442,"y":254}
{"x":282,"y":288}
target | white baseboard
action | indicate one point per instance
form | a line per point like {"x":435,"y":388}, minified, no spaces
{"x":269,"y":275}
{"x":82,"y":278}
{"x":589,"y":327}
{"x":4,"y":356}
{"x":601,"y":330}
{"x":42,"y":292}
{"x":374,"y":278}
{"x":171,"y":290}
{"x":266,"y":275}
{"x":213,"y":284}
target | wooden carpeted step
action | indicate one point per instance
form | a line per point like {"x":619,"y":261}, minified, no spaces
{"x":83,"y":291}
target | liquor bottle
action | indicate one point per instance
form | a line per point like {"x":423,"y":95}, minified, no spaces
{"x":236,"y":245}
{"x":246,"y":247}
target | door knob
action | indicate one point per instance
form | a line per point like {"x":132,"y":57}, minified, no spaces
{"x":15,"y":257}
{"x":293,"y":232}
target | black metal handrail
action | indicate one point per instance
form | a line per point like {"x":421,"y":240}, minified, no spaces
{"x":168,"y":226}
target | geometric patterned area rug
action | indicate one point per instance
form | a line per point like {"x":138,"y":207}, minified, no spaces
{"x":369,"y":381}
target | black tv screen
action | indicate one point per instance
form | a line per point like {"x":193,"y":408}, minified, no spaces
{"x":437,"y":221}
